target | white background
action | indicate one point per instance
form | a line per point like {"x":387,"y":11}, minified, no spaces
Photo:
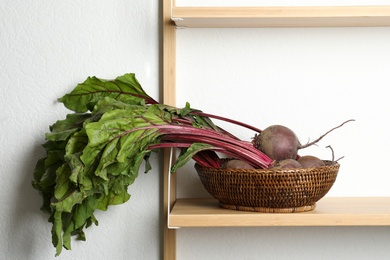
{"x":308,"y":79}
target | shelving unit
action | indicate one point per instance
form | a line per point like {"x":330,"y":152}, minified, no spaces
{"x":181,"y":213}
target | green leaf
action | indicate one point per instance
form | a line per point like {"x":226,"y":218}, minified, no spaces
{"x":107,"y":104}
{"x":114,"y":123}
{"x":74,"y":149}
{"x":62,"y":130}
{"x":72,"y":121}
{"x":66,"y":224}
{"x":38,"y":173}
{"x":184,"y":111}
{"x":112,"y":199}
{"x":188,"y":153}
{"x":54,"y":145}
{"x":125,"y":88}
{"x":136,"y":142}
{"x":47,"y":193}
{"x":118,"y":135}
{"x":108,"y":162}
{"x":148,"y":166}
{"x":63,"y":185}
{"x":54,"y":160}
{"x":57,"y":231}
{"x":202,"y":121}
{"x":84,"y":211}
{"x":76,"y":142}
{"x":66,"y":204}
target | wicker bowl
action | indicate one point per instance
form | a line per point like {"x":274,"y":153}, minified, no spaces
{"x":272,"y":191}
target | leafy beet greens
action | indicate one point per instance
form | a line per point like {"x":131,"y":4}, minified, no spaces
{"x":95,"y":153}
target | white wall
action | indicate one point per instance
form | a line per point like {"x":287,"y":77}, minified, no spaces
{"x":330,"y":75}
{"x":46,"y":48}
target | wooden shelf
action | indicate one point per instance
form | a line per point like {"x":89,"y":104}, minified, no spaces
{"x":354,"y":211}
{"x":289,"y":16}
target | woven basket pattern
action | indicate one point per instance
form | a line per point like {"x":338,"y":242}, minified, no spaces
{"x":283,"y":190}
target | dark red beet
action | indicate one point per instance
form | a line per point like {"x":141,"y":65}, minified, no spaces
{"x":287,"y":164}
{"x":238,"y":164}
{"x":278,"y":142}
{"x":309,"y":161}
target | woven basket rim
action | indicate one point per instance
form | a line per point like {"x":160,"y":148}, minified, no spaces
{"x":311,"y":170}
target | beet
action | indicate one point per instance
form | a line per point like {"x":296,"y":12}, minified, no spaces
{"x":287,"y":164}
{"x":278,"y":142}
{"x":238,"y":164}
{"x":309,"y":161}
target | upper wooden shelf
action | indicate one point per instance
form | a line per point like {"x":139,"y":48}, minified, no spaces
{"x":288,"y":16}
{"x":354,"y":211}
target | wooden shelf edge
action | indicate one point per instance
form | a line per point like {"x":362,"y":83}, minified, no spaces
{"x":289,"y":16}
{"x":330,"y":211}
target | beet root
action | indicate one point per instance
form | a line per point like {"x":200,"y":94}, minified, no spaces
{"x":237,"y":164}
{"x":287,"y":164}
{"x":278,"y":142}
{"x":309,"y":161}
